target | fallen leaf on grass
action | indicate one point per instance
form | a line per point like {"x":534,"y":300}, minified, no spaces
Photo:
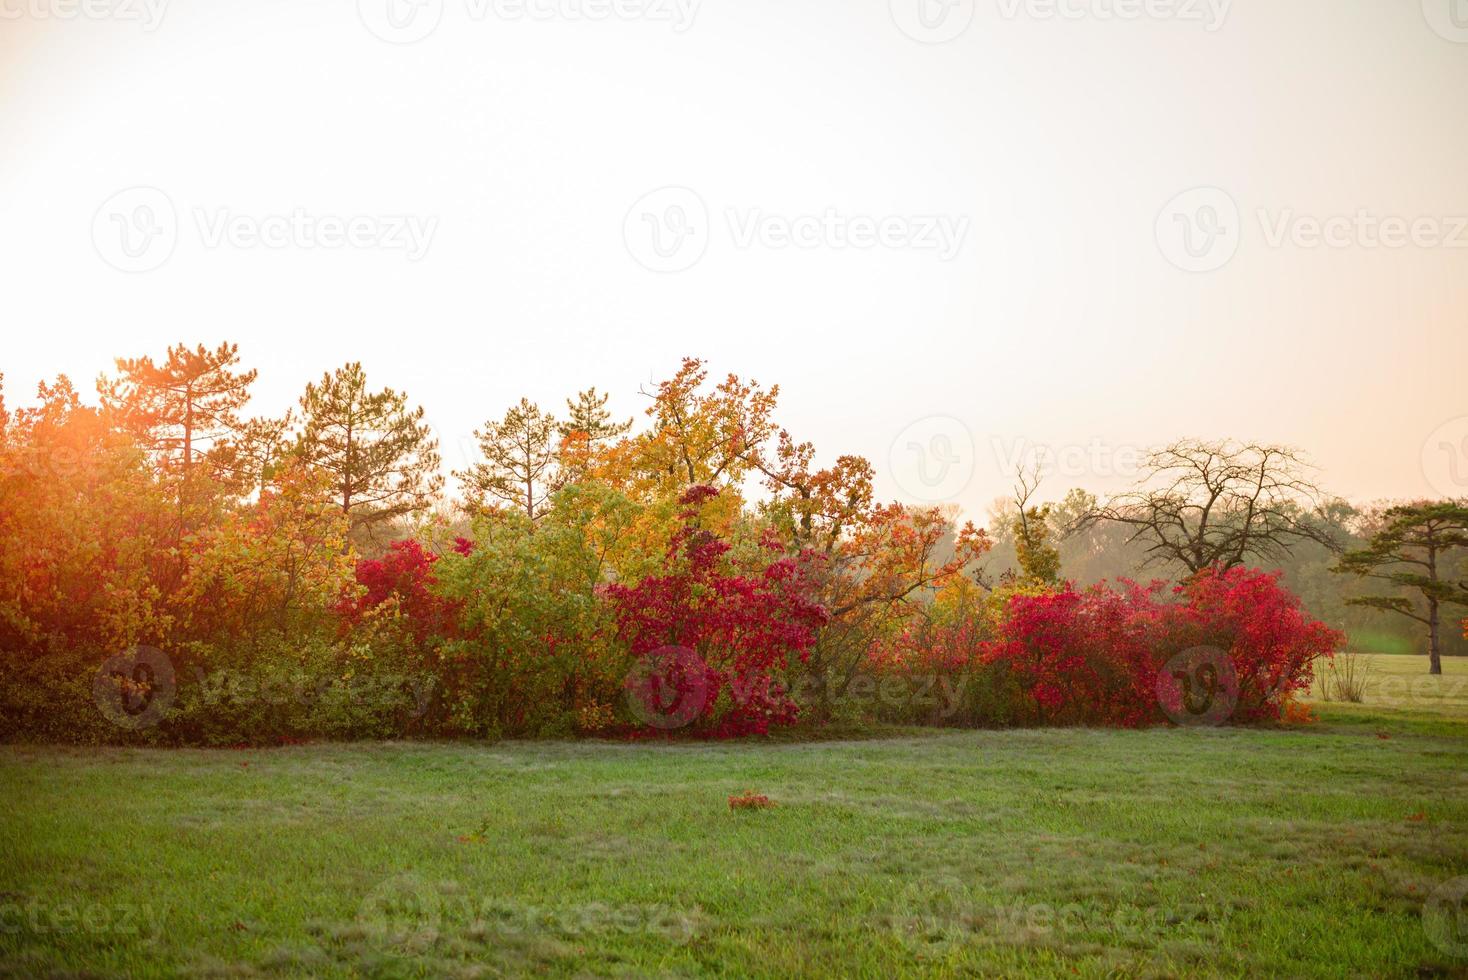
{"x":751,"y":801}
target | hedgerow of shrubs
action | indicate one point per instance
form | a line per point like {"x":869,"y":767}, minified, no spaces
{"x":645,"y":596}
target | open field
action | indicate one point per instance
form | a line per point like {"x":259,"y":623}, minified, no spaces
{"x":1399,"y":691}
{"x":1224,"y":852}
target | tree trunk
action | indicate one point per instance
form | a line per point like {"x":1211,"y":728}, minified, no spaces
{"x":188,"y":462}
{"x":1436,"y":664}
{"x":347,"y":474}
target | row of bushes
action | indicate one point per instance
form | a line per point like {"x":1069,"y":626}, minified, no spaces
{"x":516,"y":634}
{"x":598,"y":580}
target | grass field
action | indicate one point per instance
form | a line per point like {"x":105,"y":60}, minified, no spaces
{"x":1306,"y":851}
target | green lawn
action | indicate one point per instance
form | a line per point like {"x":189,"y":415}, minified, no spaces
{"x":1234,"y":852}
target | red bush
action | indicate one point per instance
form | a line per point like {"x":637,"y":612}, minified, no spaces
{"x":1082,"y":657}
{"x":1270,"y":640}
{"x":744,"y":629}
{"x":404,"y":574}
{"x":1094,"y":657}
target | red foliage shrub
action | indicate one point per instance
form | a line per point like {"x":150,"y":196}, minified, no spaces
{"x":744,"y":628}
{"x":405,"y":576}
{"x":1082,"y":657}
{"x":1094,"y":657}
{"x":1270,"y":640}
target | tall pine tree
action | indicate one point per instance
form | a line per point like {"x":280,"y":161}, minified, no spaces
{"x":178,"y":411}
{"x":520,"y":460}
{"x":1413,"y":549}
{"x":382,"y":457}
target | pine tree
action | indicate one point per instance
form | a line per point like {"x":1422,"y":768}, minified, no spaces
{"x":520,"y":460}
{"x":255,"y":454}
{"x":1411,"y":550}
{"x":382,"y":457}
{"x":588,"y":416}
{"x":179,"y":410}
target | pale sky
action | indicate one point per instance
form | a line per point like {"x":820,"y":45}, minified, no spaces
{"x":989,"y":228}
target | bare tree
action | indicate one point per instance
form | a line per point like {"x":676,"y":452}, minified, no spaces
{"x":1029,"y":526}
{"x":1204,"y":504}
